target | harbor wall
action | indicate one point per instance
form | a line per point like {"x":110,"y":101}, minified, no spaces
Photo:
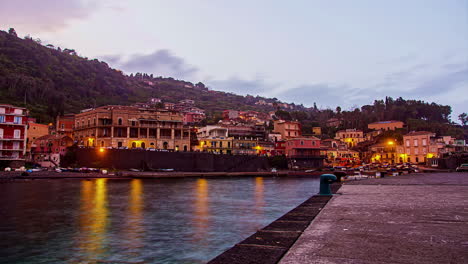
{"x":155,"y":160}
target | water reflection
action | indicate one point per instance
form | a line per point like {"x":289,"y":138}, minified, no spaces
{"x":201,"y":209}
{"x":259,"y":196}
{"x":135,"y":229}
{"x":93,"y":218}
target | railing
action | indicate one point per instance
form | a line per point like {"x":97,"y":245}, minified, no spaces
{"x":12,"y":137}
{"x":11,"y":148}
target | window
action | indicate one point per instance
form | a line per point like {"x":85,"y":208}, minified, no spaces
{"x":63,"y":126}
{"x":119,"y":144}
{"x":424,"y":142}
{"x":2,"y":119}
{"x":416,"y":151}
{"x":302,"y":142}
{"x":415,"y":142}
{"x":18,"y":120}
{"x":407,"y":142}
{"x":17,"y":133}
{"x":119,"y":122}
{"x":2,"y":110}
{"x":220,"y":144}
{"x":18,"y":111}
{"x":1,"y":132}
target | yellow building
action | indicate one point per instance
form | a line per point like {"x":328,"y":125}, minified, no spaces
{"x":131,"y":127}
{"x":216,"y":145}
{"x":386,"y":125}
{"x":351,"y":137}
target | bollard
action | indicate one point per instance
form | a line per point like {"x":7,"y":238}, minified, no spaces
{"x":339,"y":175}
{"x":325,"y":181}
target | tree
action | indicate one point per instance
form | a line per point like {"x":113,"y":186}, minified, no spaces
{"x":12,"y":32}
{"x":463,"y":117}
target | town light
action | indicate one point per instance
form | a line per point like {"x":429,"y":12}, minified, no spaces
{"x":102,"y":150}
{"x":391,"y":143}
{"x":430,"y":155}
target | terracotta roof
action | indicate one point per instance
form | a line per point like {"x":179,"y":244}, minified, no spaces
{"x":419,"y":133}
{"x":386,"y":122}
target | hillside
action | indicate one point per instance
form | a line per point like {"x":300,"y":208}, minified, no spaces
{"x":50,"y":81}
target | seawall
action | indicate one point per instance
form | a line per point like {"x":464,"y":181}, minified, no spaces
{"x":124,"y":159}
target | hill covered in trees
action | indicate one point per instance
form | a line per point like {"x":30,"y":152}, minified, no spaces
{"x":51,"y":81}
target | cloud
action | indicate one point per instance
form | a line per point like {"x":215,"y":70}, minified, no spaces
{"x":43,"y":15}
{"x":158,"y":63}
{"x":237,"y":85}
{"x":325,"y":95}
{"x":443,"y":83}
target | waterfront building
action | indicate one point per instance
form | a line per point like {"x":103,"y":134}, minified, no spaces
{"x":214,"y":139}
{"x":280,"y":148}
{"x":287,"y":129}
{"x":352,"y":137}
{"x":35,"y":131}
{"x":131,"y":127}
{"x":48,"y":150}
{"x":419,"y":146}
{"x":13,"y":134}
{"x":338,"y":154}
{"x":385,"y":152}
{"x":304,"y":152}
{"x":386,"y":125}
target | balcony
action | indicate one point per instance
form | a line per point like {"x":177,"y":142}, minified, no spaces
{"x":5,"y":148}
{"x":11,"y":138}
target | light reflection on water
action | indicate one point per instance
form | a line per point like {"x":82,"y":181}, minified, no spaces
{"x":138,"y":221}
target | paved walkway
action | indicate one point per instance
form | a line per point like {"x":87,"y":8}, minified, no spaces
{"x":415,"y":218}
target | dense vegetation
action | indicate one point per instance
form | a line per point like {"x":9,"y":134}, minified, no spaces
{"x":51,"y":81}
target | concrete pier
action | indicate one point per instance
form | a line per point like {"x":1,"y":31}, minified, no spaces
{"x":415,"y":218}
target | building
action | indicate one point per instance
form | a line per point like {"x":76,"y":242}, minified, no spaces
{"x":48,"y":150}
{"x":130,"y":127}
{"x":35,"y":131}
{"x":334,"y":122}
{"x":386,"y":125}
{"x":13,"y":134}
{"x":338,"y":154}
{"x":214,"y":139}
{"x":64,"y":125}
{"x":193,"y":117}
{"x":418,"y":147}
{"x":280,"y":148}
{"x":287,"y":129}
{"x":385,"y":152}
{"x":230,"y":114}
{"x":352,"y":137}
{"x":304,"y":152}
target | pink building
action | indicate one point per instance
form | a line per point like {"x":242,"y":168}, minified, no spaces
{"x":193,"y":117}
{"x":13,"y":134}
{"x":304,"y":152}
{"x":47,"y":150}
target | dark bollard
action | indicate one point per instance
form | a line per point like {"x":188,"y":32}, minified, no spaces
{"x":325,"y":181}
{"x":339,"y":175}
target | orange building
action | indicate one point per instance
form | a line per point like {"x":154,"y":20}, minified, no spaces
{"x":35,"y":131}
{"x":287,"y":129}
{"x":64,"y":125}
{"x":131,"y":127}
{"x":386,"y":125}
{"x":418,"y":147}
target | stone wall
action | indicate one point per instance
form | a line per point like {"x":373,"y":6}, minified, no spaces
{"x":179,"y":161}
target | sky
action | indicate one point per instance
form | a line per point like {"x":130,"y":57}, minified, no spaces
{"x":334,"y":53}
